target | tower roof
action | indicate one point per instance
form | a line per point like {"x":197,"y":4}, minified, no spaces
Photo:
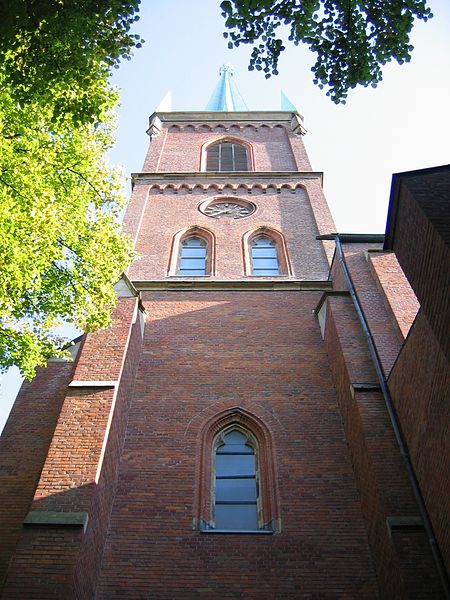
{"x":226,"y":97}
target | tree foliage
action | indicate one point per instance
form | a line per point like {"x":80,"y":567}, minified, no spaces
{"x":59,"y":53}
{"x":351,"y":38}
{"x":62,"y":247}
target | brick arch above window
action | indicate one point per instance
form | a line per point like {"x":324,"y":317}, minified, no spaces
{"x":279,"y":244}
{"x":195,"y":232}
{"x":260,"y":440}
{"x":227,"y":154}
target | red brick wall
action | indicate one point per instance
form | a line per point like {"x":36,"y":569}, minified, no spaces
{"x":89,"y":558}
{"x":288,"y":211}
{"x":420,"y":388}
{"x":23,"y":449}
{"x":384,"y":331}
{"x":206,"y":353}
{"x":80,"y":471}
{"x":178,"y":146}
{"x":422,"y":245}
{"x":402,"y":557}
{"x":400,"y":300}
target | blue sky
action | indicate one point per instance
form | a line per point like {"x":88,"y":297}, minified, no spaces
{"x":401,"y":125}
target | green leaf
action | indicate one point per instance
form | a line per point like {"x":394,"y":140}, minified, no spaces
{"x":350,"y":40}
{"x":61,"y":245}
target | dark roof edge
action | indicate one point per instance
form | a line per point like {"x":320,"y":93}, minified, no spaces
{"x":354,"y":238}
{"x":243,"y":115}
{"x":397,"y":180}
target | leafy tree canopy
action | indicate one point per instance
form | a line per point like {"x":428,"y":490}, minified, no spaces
{"x":352,"y":38}
{"x":59,"y":53}
{"x":62,"y":247}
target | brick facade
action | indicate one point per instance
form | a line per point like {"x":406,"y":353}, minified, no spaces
{"x":107,"y":462}
{"x":210,"y":353}
{"x":418,"y":231}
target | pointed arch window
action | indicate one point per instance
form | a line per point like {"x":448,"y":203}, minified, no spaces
{"x":226,"y":156}
{"x":193,"y":257}
{"x":235,"y":482}
{"x":264,"y":256}
{"x":238,"y":491}
{"x":192,"y":253}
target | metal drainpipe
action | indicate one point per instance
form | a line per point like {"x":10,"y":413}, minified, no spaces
{"x":440,"y":566}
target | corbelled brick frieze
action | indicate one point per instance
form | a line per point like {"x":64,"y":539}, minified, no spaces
{"x":255,"y":183}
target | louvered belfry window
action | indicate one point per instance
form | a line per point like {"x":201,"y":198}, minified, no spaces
{"x":226,"y":156}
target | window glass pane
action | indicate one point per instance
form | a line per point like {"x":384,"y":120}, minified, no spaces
{"x":264,"y":252}
{"x":235,"y":442}
{"x":192,"y":257}
{"x":266,"y":272}
{"x":264,"y":257}
{"x":263,"y":242}
{"x":235,"y":437}
{"x":265,"y":263}
{"x":191,"y":272}
{"x":193,"y":242}
{"x":194,"y":252}
{"x":234,"y":449}
{"x":232,"y":464}
{"x":237,"y":490}
{"x":192,"y":263}
{"x":243,"y":517}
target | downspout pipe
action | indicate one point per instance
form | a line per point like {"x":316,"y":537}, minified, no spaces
{"x":440,"y":566}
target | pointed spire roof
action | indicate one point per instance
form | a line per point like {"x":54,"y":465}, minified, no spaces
{"x":226,"y":97}
{"x":286,"y":104}
{"x":166,"y":103}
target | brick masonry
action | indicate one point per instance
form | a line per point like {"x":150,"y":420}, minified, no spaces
{"x":380,"y":473}
{"x":286,"y":212}
{"x":23,"y":449}
{"x":121,"y":440}
{"x":205,"y":353}
{"x":419,"y":234}
{"x":178,"y":149}
{"x":80,"y":469}
{"x":420,"y":385}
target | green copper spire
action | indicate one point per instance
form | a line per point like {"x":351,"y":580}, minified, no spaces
{"x":226,"y":96}
{"x":286,"y":104}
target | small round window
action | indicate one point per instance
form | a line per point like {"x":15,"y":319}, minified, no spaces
{"x":227,"y":208}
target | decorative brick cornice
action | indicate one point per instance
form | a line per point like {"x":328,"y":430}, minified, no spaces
{"x":240,"y":285}
{"x":219,"y":126}
{"x":203,"y":117}
{"x":230,"y":183}
{"x":225,"y":121}
{"x":227,"y":175}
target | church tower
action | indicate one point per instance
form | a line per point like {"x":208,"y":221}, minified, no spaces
{"x":224,"y":438}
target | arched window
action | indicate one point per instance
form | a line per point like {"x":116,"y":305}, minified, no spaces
{"x":226,"y":156}
{"x":264,"y":256}
{"x":193,"y":257}
{"x":235,"y":482}
{"x":238,"y":490}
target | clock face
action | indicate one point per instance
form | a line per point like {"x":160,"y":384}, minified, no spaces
{"x":223,"y":209}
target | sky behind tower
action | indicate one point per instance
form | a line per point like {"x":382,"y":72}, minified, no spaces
{"x":401,"y":125}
